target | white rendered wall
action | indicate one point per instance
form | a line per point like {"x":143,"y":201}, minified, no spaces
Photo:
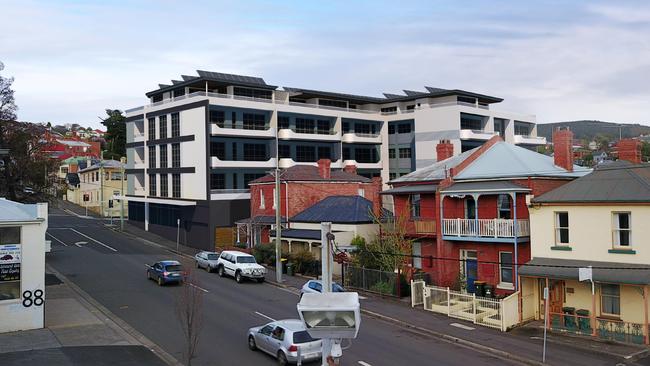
{"x":193,"y":154}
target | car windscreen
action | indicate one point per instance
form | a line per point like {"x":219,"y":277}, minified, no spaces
{"x":337,"y":288}
{"x":213,"y":257}
{"x":173,"y":268}
{"x":246,"y":259}
{"x":302,"y":337}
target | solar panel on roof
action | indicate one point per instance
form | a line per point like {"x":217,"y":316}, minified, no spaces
{"x":176,"y":82}
{"x":188,"y":77}
{"x":163,"y":86}
{"x":412,"y":93}
{"x":435,"y":90}
{"x":390,"y":96}
{"x":231,"y":77}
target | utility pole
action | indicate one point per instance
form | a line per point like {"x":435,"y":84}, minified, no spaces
{"x":122,"y":161}
{"x":326,"y":277}
{"x":101,"y":182}
{"x":278,"y":228}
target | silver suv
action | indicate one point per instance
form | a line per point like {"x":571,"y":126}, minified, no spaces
{"x":207,"y":260}
{"x":240,"y":265}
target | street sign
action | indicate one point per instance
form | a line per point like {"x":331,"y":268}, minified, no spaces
{"x":86,"y":197}
{"x":585,"y":274}
{"x":110,"y":203}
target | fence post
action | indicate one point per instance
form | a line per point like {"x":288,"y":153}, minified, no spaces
{"x":363,"y":278}
{"x":474,"y":306}
{"x":448,"y":302}
{"x":502,"y":314}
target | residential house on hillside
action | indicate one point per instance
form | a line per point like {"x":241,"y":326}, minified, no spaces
{"x":599,"y":220}
{"x":467,"y":214}
{"x":92,"y":182}
{"x":301,"y":187}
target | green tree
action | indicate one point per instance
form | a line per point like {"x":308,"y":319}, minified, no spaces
{"x":388,"y":250}
{"x":115,"y":134}
{"x":645,"y":151}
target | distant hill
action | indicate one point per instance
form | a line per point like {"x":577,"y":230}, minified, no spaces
{"x":589,"y":129}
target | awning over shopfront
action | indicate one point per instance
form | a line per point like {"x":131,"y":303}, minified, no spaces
{"x":606,"y":272}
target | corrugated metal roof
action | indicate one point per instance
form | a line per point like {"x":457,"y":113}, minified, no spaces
{"x":11,"y":211}
{"x":418,"y":188}
{"x":107,"y":164}
{"x":338,"y":209}
{"x":610,"y":272}
{"x":616,"y":182}
{"x":299,"y":234}
{"x":485,"y":186}
{"x":503,"y":160}
{"x":435,"y":171}
{"x":310,"y":173}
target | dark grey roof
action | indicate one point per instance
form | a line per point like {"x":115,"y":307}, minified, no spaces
{"x":414,"y":93}
{"x":262,"y":220}
{"x":359,"y":99}
{"x":485,"y":186}
{"x":231,"y":77}
{"x":391,"y":96}
{"x":189,"y":77}
{"x":338,"y":209}
{"x":616,"y":182}
{"x":418,"y":188}
{"x":299,"y":234}
{"x":434,"y":90}
{"x":163,"y":86}
{"x":176,"y":82}
{"x":608,"y":272}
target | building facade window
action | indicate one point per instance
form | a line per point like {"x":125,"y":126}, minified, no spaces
{"x":505,"y":268}
{"x":163,"y":156}
{"x":162,"y":127}
{"x":218,"y":149}
{"x":323,"y":127}
{"x":283,"y":122}
{"x":152,"y":157}
{"x":415,"y":206}
{"x":218,"y":118}
{"x":254,"y":121}
{"x":324,"y":152}
{"x":176,"y":125}
{"x":255,"y":152}
{"x":503,"y":206}
{"x":284,"y":151}
{"x":417,"y":254}
{"x":391,"y":129}
{"x":176,"y":155}
{"x":304,"y":125}
{"x":561,"y":228}
{"x":10,"y":235}
{"x":405,"y":153}
{"x":610,"y":299}
{"x":404,"y":128}
{"x":249,"y":177}
{"x":305,"y":153}
{"x":391,"y":153}
{"x":163,"y":186}
{"x":392,"y":176}
{"x":152,"y":185}
{"x":176,"y":185}
{"x":217,"y":181}
{"x":470,"y":208}
{"x":262,"y":203}
{"x":152,"y":129}
{"x":622,"y":231}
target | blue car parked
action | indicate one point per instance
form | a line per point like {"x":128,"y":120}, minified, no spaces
{"x":165,"y":272}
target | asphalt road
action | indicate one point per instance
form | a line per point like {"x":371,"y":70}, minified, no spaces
{"x":111,"y":268}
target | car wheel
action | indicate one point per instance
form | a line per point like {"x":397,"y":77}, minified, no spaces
{"x":251,"y":343}
{"x":198,"y":265}
{"x":220,"y":271}
{"x":282,"y":359}
{"x":238,"y":277}
{"x":148,"y":275}
{"x":260,"y":280}
{"x":209,"y":268}
{"x":160,"y":281}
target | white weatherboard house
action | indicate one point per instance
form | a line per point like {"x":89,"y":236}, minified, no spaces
{"x":22,"y":265}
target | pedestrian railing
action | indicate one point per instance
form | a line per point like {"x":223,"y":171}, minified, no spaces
{"x":606,"y":329}
{"x":371,"y":280}
{"x":499,"y":314}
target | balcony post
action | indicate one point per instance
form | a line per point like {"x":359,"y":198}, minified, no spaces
{"x":516,"y":229}
{"x":495,"y":227}
{"x":458,"y":226}
{"x":476,"y":228}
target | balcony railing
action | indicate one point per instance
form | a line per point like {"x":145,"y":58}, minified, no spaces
{"x":425,"y":226}
{"x":485,"y":228}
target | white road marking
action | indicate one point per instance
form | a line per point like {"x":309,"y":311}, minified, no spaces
{"x":461,"y":326}
{"x":264,"y":316}
{"x":198,"y":288}
{"x":95,"y":240}
{"x":80,"y":243}
{"x":52,"y":236}
{"x":76,"y":214}
{"x":362,"y":298}
{"x":364,"y":363}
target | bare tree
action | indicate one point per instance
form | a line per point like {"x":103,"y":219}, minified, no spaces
{"x":189,"y":309}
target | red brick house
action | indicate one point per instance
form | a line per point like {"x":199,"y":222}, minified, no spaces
{"x":301,"y":187}
{"x":468,"y":214}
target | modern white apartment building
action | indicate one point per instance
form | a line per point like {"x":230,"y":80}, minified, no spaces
{"x":192,"y":151}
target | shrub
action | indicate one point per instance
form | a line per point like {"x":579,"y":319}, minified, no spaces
{"x":264,"y":253}
{"x":304,"y":262}
{"x":382,"y":288}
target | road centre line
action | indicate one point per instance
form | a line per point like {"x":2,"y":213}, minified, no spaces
{"x":461,"y":326}
{"x":53,"y":237}
{"x":364,"y":363}
{"x":264,"y":316}
{"x":95,"y":240}
{"x":198,"y":288}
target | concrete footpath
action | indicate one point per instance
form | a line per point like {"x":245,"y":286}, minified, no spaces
{"x":522,"y":344}
{"x":76,"y":333}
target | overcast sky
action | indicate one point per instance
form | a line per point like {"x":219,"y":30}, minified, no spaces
{"x":559,"y":60}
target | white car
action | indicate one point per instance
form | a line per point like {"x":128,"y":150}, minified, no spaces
{"x":207,"y":260}
{"x":240,"y":265}
{"x":281,"y":339}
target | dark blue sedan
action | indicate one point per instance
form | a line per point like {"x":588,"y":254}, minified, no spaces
{"x":165,"y":272}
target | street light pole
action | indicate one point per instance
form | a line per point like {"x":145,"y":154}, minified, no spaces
{"x":122,"y":161}
{"x":326,"y":279}
{"x":101,"y":182}
{"x":278,"y":229}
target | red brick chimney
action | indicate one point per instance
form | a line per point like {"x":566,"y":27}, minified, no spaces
{"x":324,"y":168}
{"x":630,"y":150}
{"x":563,"y":148}
{"x":444,"y":150}
{"x":352,"y":169}
{"x":376,"y":197}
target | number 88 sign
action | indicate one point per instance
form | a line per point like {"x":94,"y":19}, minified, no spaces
{"x":33,"y":298}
